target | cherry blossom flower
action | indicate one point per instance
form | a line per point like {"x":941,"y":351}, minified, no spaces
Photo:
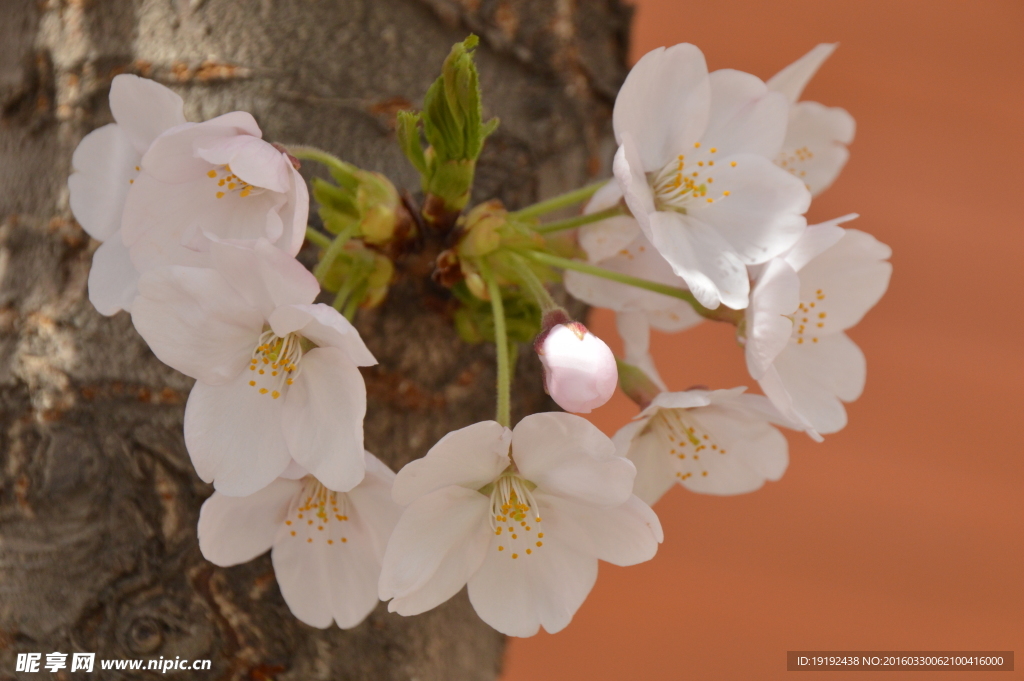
{"x":105,"y":164}
{"x":708,"y":441}
{"x":219,"y":178}
{"x":801,"y":304}
{"x":525,"y":530}
{"x":277,"y":376}
{"x":815,"y":146}
{"x":694,"y":163}
{"x":579,"y":368}
{"x":618,"y":244}
{"x":326,"y":546}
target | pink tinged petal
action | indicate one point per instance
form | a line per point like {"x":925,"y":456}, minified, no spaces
{"x":607,"y":196}
{"x":762,"y":215}
{"x":818,"y":375}
{"x":194,"y":322}
{"x":323,"y":418}
{"x":545,"y":588}
{"x":144,"y":109}
{"x":654,"y":472}
{"x":325,"y":326}
{"x":778,"y":395}
{"x":815,"y":240}
{"x":844,"y":282}
{"x":706,"y":262}
{"x":234,"y":437}
{"x":664,"y":104}
{"x":372,"y":498}
{"x":815,"y":147}
{"x":439,"y":543}
{"x":264,"y":276}
{"x":745,"y":116}
{"x":470,"y":457}
{"x":172,"y":157}
{"x":235,"y":530}
{"x":792,"y":80}
{"x":304,"y":575}
{"x":622,"y":535}
{"x":579,"y":373}
{"x":294,"y":216}
{"x":568,"y":456}
{"x":294,"y":471}
{"x":113,"y":280}
{"x":632,"y":180}
{"x":251,"y":159}
{"x":775,"y":296}
{"x":754,"y":451}
{"x":104,"y":166}
{"x":635,"y":332}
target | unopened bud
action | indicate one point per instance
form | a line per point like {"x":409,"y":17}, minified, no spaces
{"x":579,"y":369}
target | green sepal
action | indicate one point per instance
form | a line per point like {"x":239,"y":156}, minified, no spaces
{"x":474,"y":320}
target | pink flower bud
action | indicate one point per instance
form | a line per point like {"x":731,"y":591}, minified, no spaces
{"x":579,"y":369}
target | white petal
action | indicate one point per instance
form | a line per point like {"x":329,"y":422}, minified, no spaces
{"x":104,"y":165}
{"x":545,"y":588}
{"x":144,"y":109}
{"x":568,"y":456}
{"x":235,"y":530}
{"x":818,"y":375}
{"x":664,"y":103}
{"x":438,"y":544}
{"x":251,"y":159}
{"x":792,"y":80}
{"x":294,"y":471}
{"x":233,"y":435}
{"x":677,"y":317}
{"x":632,"y":180}
{"x":815,"y":240}
{"x":194,"y":321}
{"x":265,"y":276}
{"x":303,"y":572}
{"x":686,"y":399}
{"x":470,"y":457}
{"x":623,"y":535}
{"x":775,"y":390}
{"x":749,"y":452}
{"x":654,"y":472}
{"x":323,"y":418}
{"x":776,"y":295}
{"x":745,"y":116}
{"x":325,"y":326}
{"x":706,"y":262}
{"x":851,"y":276}
{"x":604,"y":239}
{"x":815,"y":147}
{"x":763,"y":214}
{"x":113,"y":280}
{"x":294,"y":215}
{"x":372,"y":497}
{"x":172,"y":158}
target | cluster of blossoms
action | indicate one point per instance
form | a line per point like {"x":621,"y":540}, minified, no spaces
{"x":200,"y":224}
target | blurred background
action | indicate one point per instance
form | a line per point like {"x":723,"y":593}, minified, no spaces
{"x":905,"y":531}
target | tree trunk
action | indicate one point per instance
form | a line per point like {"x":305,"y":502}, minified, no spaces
{"x":98,"y":499}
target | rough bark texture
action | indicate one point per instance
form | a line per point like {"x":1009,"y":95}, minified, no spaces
{"x":98,"y":500}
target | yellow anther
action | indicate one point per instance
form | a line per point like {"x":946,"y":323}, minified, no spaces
{"x":725,"y":193}
{"x":696,"y":145}
{"x":252,"y":382}
{"x":330,"y":541}
{"x":501,"y":548}
{"x":713,"y":150}
{"x":275,"y":394}
{"x":343,"y":539}
{"x":733,"y":164}
{"x":293,"y":533}
{"x":515,"y":555}
{"x":220,"y":195}
{"x":529,"y":551}
{"x":540,"y":543}
{"x":244,"y":193}
{"x":212,"y":173}
{"x":263,"y":391}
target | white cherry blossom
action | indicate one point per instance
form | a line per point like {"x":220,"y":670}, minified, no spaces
{"x":524,"y":528}
{"x":105,"y":164}
{"x":277,"y":376}
{"x":326,"y":546}
{"x":815,"y":146}
{"x":579,"y":368}
{"x":694,"y":163}
{"x":618,"y":244}
{"x":708,"y":441}
{"x":801,"y":304}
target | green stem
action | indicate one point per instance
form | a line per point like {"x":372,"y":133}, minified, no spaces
{"x":529,"y":279}
{"x":721,"y":314}
{"x":353,"y":302}
{"x":503,"y":416}
{"x":319,"y":155}
{"x":561,"y":201}
{"x":580,"y":220}
{"x":318,"y":239}
{"x":333,"y":251}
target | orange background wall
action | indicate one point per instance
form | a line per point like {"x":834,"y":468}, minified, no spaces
{"x":906,"y":530}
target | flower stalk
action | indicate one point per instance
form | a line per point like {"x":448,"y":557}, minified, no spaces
{"x":565,"y":200}
{"x":503,"y":415}
{"x":580,"y":220}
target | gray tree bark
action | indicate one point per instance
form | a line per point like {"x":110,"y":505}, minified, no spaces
{"x":98,"y":499}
